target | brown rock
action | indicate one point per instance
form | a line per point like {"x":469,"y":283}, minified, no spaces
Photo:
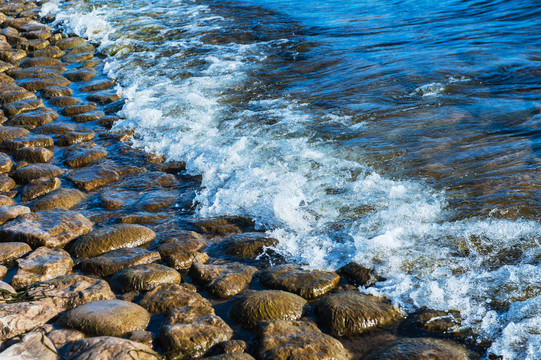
{"x":10,"y":145}
{"x":223,"y":281}
{"x":21,"y":106}
{"x":141,"y":336}
{"x":12,"y":95}
{"x":12,"y":56}
{"x":63,"y":101}
{"x":39,"y":187}
{"x":11,"y":212}
{"x":9,"y":132}
{"x":157,"y":200}
{"x":217,"y":225}
{"x":11,"y":251}
{"x":36,"y":71}
{"x":5,"y":163}
{"x":33,"y":346}
{"x":167,"y":297}
{"x":42,"y":264}
{"x":442,"y":322}
{"x":75,"y":58}
{"x":231,"y":356}
{"x":39,"y":61}
{"x":80,"y":156}
{"x":106,"y":97}
{"x":51,"y":51}
{"x":34,"y":118}
{"x":35,"y":171}
{"x":55,"y":91}
{"x":6,"y":183}
{"x":421,"y":349}
{"x":89,"y":116}
{"x":111,"y":262}
{"x":93,"y":177}
{"x":246,"y":245}
{"x":106,"y":347}
{"x":3,"y":271}
{"x":59,"y":199}
{"x":33,"y":154}
{"x":82,"y":49}
{"x":98,"y":85}
{"x":144,"y":218}
{"x":61,"y":337}
{"x":8,"y":288}
{"x":80,"y":75}
{"x":38,"y":84}
{"x":143,"y":277}
{"x":55,"y":129}
{"x":70,"y":43}
{"x":32,"y":45}
{"x":76,"y":137}
{"x":6,"y":201}
{"x":108,"y":121}
{"x":21,"y":317}
{"x":180,"y":253}
{"x":79,"y":109}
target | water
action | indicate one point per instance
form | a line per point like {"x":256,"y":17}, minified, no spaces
{"x":399,"y":134}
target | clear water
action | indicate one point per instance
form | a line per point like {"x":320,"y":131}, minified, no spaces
{"x":399,"y":134}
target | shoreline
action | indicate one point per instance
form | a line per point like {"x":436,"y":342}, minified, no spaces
{"x":127,"y":239}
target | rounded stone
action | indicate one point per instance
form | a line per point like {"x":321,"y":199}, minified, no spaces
{"x":58,"y":199}
{"x":166,"y":297}
{"x":252,"y":307}
{"x":143,"y":277}
{"x":421,"y":349}
{"x":246,"y":245}
{"x":106,"y":318}
{"x":11,"y":251}
{"x":35,"y":171}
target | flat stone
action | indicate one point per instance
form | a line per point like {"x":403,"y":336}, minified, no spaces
{"x":5,"y":286}
{"x":309,"y":284}
{"x":112,"y":238}
{"x":36,"y":71}
{"x":166,"y":297}
{"x":246,"y":245}
{"x":93,"y":177}
{"x":52,"y":228}
{"x":5,"y":66}
{"x":82,"y":49}
{"x":10,"y":145}
{"x":76,"y":137}
{"x":39,"y":61}
{"x":75,"y":58}
{"x":80,"y":75}
{"x":111,"y":262}
{"x":33,"y":44}
{"x":12,"y":56}
{"x":70,"y":43}
{"x":108,"y":121}
{"x":143,"y":218}
{"x":107,"y":347}
{"x":106,"y":317}
{"x":39,"y":187}
{"x":180,"y":253}
{"x":357,"y":274}
{"x":287,"y":339}
{"x":5,"y":163}
{"x":143,"y":277}
{"x":223,"y":281}
{"x":6,"y":183}
{"x":40,"y":265}
{"x":33,"y":346}
{"x":443,"y":322}
{"x":10,"y":132}
{"x":59,"y":199}
{"x":50,"y":92}
{"x":217,"y":225}
{"x":114,"y":199}
{"x":38,"y":34}
{"x":6,"y":200}
{"x":34,"y":118}
{"x":192,"y":331}
{"x":63,"y":101}
{"x":13,"y":95}
{"x":79,"y":109}
{"x":33,"y":154}
{"x":51,"y":51}
{"x":89,"y":116}
{"x":11,"y":212}
{"x":35,"y":171}
{"x":83,"y":155}
{"x":150,"y":180}
{"x":11,"y":251}
{"x":104,"y":97}
{"x":3,"y":272}
{"x":21,"y":317}
{"x":252,"y":307}
{"x":38,"y":84}
{"x":55,"y":129}
{"x":61,"y":337}
{"x":98,"y":85}
{"x":421,"y":348}
{"x":157,"y":199}
{"x":17,"y":107}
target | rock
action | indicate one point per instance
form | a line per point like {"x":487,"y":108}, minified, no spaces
{"x":3,"y":272}
{"x":106,"y":317}
{"x":92,"y":177}
{"x":6,"y":183}
{"x":98,"y":85}
{"x":83,"y":49}
{"x":8,"y":288}
{"x":80,"y":75}
{"x":143,"y":337}
{"x":32,"y":45}
{"x":252,"y":307}
{"x":111,"y":262}
{"x":217,"y":225}
{"x":233,"y":346}
{"x":39,"y":61}
{"x":151,"y":180}
{"x":11,"y":212}
{"x":51,"y":51}
{"x":112,"y":238}
{"x":12,"y":56}
{"x":231,"y":356}
{"x":32,"y":154}
{"x":55,"y":129}
{"x":6,"y":66}
{"x":144,"y":218}
{"x":181,"y":252}
{"x":75,"y":58}
{"x":37,"y":84}
{"x":59,"y":199}
{"x":166,"y":297}
{"x":52,"y":228}
{"x":70,"y":43}
{"x":76,"y":137}
{"x":189,"y":332}
{"x":107,"y":121}
{"x":61,"y":337}
{"x":351,"y":313}
{"x":79,"y":109}
{"x":21,"y":317}
{"x":33,"y":346}
{"x":5,"y":163}
{"x":11,"y":251}
{"x":89,"y":116}
{"x":11,"y":132}
{"x":441,"y":322}
{"x":36,"y":71}
{"x":15,"y":94}
{"x":106,"y":347}
{"x":21,"y":106}
{"x":11,"y":145}
{"x":157,"y":199}
{"x":42,"y":264}
{"x":286,"y":339}
{"x":103,"y":97}
{"x":223,"y":281}
{"x":421,"y":349}
{"x":6,"y":201}
{"x":55,"y":91}
{"x":246,"y":245}
{"x":39,"y":187}
{"x":143,"y":277}
{"x":80,"y":156}
{"x":113,"y":199}
{"x":63,"y":101}
{"x":34,"y":118}
{"x":309,"y":284}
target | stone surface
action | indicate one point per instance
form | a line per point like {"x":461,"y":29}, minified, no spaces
{"x":223,"y":281}
{"x":189,"y":332}
{"x":76,"y":137}
{"x":10,"y":132}
{"x":231,"y":356}
{"x":55,"y":91}
{"x":106,"y":318}
{"x":6,"y":201}
{"x":63,"y":101}
{"x":32,"y":154}
{"x":309,"y":284}
{"x":10,"y":145}
{"x":5,"y":163}
{"x":38,"y":84}
{"x":246,"y":245}
{"x":285,"y":339}
{"x":40,"y":265}
{"x":33,"y":346}
{"x":143,"y":277}
{"x":55,"y":129}
{"x":78,"y":75}
{"x":20,"y":317}
{"x":252,"y":307}
{"x":88,"y":116}
{"x":70,"y":43}
{"x":93,"y":177}
{"x":107,"y":347}
{"x":421,"y":349}
{"x":6,"y":183}
{"x":34,"y":118}
{"x":180,"y":251}
{"x":98,"y":85}
{"x":39,"y":187}
{"x":59,"y":199}
{"x":83,"y":155}
{"x":5,"y":286}
{"x":111,"y":262}
{"x":51,"y":51}
{"x":21,"y":106}
{"x":112,"y":238}
{"x":79,"y":109}
{"x":61,"y":337}
{"x":11,"y":212}
{"x":11,"y":251}
{"x":35,"y":171}
{"x":166,"y":297}
{"x":39,"y":61}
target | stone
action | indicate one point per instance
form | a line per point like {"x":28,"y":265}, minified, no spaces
{"x":189,"y":332}
{"x":36,"y":71}
{"x":33,"y":154}
{"x":80,"y":108}
{"x":5,"y":163}
{"x":13,"y":95}
{"x":55,"y":129}
{"x":351,"y":313}
{"x":70,"y":43}
{"x":21,"y":106}
{"x":50,"y":92}
{"x":61,"y":337}
{"x":76,"y":137}
{"x":53,"y":228}
{"x":12,"y":56}
{"x":35,"y":171}
{"x":98,"y":85}
{"x":106,"y":318}
{"x":231,"y":356}
{"x":11,"y":132}
{"x":107,"y":121}
{"x":33,"y":346}
{"x":11,"y":145}
{"x":51,"y":51}
{"x":11,"y":212}
{"x":80,"y":156}
{"x":246,"y":245}
{"x":112,"y":238}
{"x":233,"y":346}
{"x":11,"y":251}
{"x":157,"y":199}
{"x":3,"y":272}
{"x":143,"y":278}
{"x":116,"y":260}
{"x":21,"y":317}
{"x":33,"y":44}
{"x":217,"y":226}
{"x":92,"y":177}
{"x":144,"y":218}
{"x":113,"y":199}
{"x":58,"y":199}
{"x":309,"y":284}
{"x":8,"y":288}
{"x":103,"y":97}
{"x":6,"y":201}
{"x":39,"y":61}
{"x":143,"y":337}
{"x":39,"y":187}
{"x":75,"y":58}
{"x":108,"y":347}
{"x":69,"y":291}
{"x":6,"y":183}
{"x":40,"y":265}
{"x":287,"y":339}
{"x":63,"y":101}
{"x":37,"y":84}
{"x":150,"y":180}
{"x":80,"y":75}
{"x":180,"y":253}
{"x":6,"y":66}
{"x":421,"y":349}
{"x":89,"y":116}
{"x":34,"y":118}
{"x":442,"y":322}
{"x":166,"y":297}
{"x":223,"y":281}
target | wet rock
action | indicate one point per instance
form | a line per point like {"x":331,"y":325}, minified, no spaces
{"x":223,"y":281}
{"x":217,"y":225}
{"x":104,"y":97}
{"x":11,"y":212}
{"x":69,"y":291}
{"x":36,"y":71}
{"x":59,"y":199}
{"x":75,"y":58}
{"x":38,"y":84}
{"x":33,"y":346}
{"x":106,"y":317}
{"x":52,"y":228}
{"x":11,"y":251}
{"x":80,"y":156}
{"x":144,"y":218}
{"x":6,"y":183}
{"x":157,"y":200}
{"x":39,"y":61}
{"x":309,"y":284}
{"x":3,"y":67}
{"x":13,"y":95}
{"x":112,"y":238}
{"x":284,"y":339}
{"x":111,"y":262}
{"x":8,"y":288}
{"x":80,"y":75}
{"x":33,"y":154}
{"x":252,"y":307}
{"x":6,"y":201}
{"x":70,"y":43}
{"x":12,"y":56}
{"x":55,"y":129}
{"x":93,"y":177}
{"x":9,"y":132}
{"x":351,"y":313}
{"x":181,"y":252}
{"x":143,"y":337}
{"x":167,"y":297}
{"x":231,"y":356}
{"x":246,"y":245}
{"x":82,"y":49}
{"x":113,"y":199}
{"x":11,"y":145}
{"x":98,"y":85}
{"x":61,"y":337}
{"x":189,"y":332}
{"x":421,"y":349}
{"x":42,"y":264}
{"x":89,"y":116}
{"x":143,"y":277}
{"x":107,"y":347}
{"x":3,"y":272}
{"x":21,"y":317}
{"x":55,"y":91}
{"x":51,"y":51}
{"x":32,"y":119}
{"x":39,"y":187}
{"x":233,"y":346}
{"x":150,"y":180}
{"x":63,"y":101}
{"x":33,"y":44}
{"x":21,"y":106}
{"x":5,"y":163}
{"x":76,"y":137}
{"x":441,"y":322}
{"x":35,"y":171}
{"x":108,"y":121}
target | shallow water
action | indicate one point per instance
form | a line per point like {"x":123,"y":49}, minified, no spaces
{"x":399,"y":134}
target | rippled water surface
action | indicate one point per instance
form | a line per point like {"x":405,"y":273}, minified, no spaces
{"x":400,"y":134}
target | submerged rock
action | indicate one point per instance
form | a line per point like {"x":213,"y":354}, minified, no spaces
{"x":421,"y":349}
{"x":223,"y":281}
{"x":357,"y":274}
{"x":180,"y":252}
{"x":111,"y":262}
{"x":143,"y":277}
{"x":92,"y":177}
{"x":246,"y":245}
{"x":108,"y":347}
{"x":59,"y":199}
{"x":166,"y":297}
